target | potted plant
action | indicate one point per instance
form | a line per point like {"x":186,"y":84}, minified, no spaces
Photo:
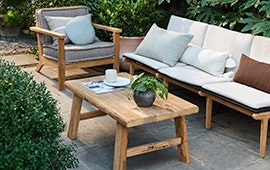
{"x":145,"y":87}
{"x":10,"y":17}
{"x":134,"y":17}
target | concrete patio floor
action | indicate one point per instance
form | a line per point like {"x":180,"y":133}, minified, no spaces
{"x":232,"y":142}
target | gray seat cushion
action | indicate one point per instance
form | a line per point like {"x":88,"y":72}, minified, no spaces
{"x":75,"y":53}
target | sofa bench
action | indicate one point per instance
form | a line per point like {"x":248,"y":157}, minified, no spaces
{"x":227,"y":87}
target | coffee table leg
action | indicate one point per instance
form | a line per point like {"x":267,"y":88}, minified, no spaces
{"x":181,"y":131}
{"x":120,"y":147}
{"x":74,"y":117}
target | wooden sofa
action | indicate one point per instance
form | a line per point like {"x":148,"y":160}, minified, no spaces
{"x":221,"y":88}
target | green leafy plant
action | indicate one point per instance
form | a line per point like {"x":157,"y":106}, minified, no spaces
{"x":13,"y":19}
{"x":161,"y":1}
{"x":246,"y":16}
{"x":6,"y":5}
{"x":258,"y":23}
{"x":219,"y":12}
{"x":134,"y":17}
{"x":142,"y":83}
{"x":30,"y":124}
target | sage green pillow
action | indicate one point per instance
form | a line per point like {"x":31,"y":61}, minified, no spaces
{"x":80,"y":30}
{"x":163,"y":45}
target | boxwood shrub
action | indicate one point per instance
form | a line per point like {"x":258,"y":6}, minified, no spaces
{"x":30,"y":124}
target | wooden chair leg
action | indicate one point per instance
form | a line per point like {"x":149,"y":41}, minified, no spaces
{"x":208,"y":115}
{"x":116,"y":41}
{"x":61,"y":64}
{"x":116,"y":66}
{"x":263,"y":137}
{"x":39,"y":66}
{"x":61,"y":78}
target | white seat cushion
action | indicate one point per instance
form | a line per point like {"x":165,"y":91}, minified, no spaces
{"x":146,"y":61}
{"x":192,"y":75}
{"x":246,"y":95}
{"x":179,"y":64}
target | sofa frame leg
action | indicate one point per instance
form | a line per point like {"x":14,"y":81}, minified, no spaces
{"x":208,"y":115}
{"x":263,"y":137}
{"x":131,"y":69}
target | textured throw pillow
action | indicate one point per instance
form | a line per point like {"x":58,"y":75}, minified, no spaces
{"x":163,"y":45}
{"x":80,"y":30}
{"x":253,"y":73}
{"x":58,"y":24}
{"x":207,"y":60}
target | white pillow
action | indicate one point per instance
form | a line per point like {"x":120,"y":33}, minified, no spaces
{"x":163,"y":45}
{"x":58,"y":24}
{"x":80,"y":30}
{"x":207,"y":60}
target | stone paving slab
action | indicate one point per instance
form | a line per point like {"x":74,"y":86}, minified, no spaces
{"x":22,"y":59}
{"x":231,"y":144}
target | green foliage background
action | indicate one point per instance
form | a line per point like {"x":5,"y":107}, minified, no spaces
{"x":134,"y":17}
{"x":30,"y":124}
{"x":252,"y":16}
{"x":241,"y":15}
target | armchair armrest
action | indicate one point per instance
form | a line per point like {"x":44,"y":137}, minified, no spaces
{"x":60,"y":41}
{"x":47,"y":32}
{"x":108,"y":28}
{"x":116,"y":40}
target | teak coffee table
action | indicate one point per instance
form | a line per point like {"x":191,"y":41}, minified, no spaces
{"x":127,"y":114}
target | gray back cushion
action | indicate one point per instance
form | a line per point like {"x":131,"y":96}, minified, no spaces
{"x":63,"y":12}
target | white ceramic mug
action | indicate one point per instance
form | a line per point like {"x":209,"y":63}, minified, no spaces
{"x":110,"y":75}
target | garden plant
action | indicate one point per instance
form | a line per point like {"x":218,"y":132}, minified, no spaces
{"x":134,"y":17}
{"x":252,"y":16}
{"x":30,"y":124}
{"x":245,"y":16}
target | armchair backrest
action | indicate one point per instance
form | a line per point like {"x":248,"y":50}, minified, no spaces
{"x":60,"y":12}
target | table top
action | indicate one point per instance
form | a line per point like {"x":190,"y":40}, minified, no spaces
{"x":124,"y":110}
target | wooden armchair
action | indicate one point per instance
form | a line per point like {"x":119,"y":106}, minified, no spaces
{"x":68,"y":56}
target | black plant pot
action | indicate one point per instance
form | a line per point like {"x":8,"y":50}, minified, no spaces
{"x":145,"y":99}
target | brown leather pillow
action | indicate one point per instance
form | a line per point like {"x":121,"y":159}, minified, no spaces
{"x":253,"y":73}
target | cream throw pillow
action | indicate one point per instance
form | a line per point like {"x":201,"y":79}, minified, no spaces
{"x":163,"y":45}
{"x":207,"y":60}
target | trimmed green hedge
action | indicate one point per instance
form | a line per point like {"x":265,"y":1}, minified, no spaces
{"x":30,"y":124}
